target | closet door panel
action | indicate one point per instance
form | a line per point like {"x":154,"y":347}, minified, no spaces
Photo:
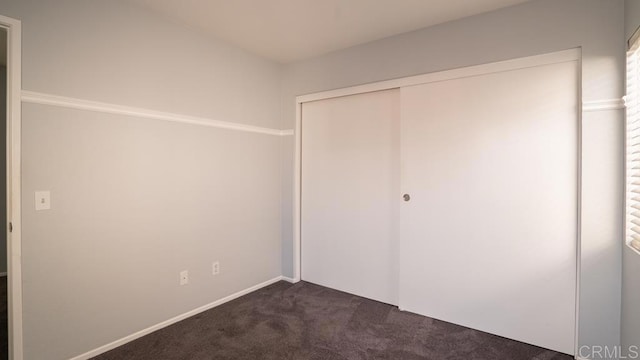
{"x":488,"y":239}
{"x":350,"y":191}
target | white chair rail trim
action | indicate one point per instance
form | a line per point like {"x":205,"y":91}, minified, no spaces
{"x":81,"y":104}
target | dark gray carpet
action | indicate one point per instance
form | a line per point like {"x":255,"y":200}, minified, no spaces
{"x":307,"y":321}
{"x":4,"y":324}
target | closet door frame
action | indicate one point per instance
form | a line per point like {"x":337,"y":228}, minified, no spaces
{"x":513,"y":64}
{"x":13,"y":125}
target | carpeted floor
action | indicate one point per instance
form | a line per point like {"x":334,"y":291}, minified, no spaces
{"x":307,"y":321}
{"x":4,"y":325}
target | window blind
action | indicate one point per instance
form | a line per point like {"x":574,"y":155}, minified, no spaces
{"x":632,"y":104}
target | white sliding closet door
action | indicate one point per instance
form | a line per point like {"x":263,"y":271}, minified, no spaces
{"x":488,"y":239}
{"x":350,"y":190}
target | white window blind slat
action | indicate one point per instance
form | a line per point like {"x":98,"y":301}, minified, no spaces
{"x":632,"y":103}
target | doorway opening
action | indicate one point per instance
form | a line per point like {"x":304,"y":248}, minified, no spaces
{"x":4,"y":323}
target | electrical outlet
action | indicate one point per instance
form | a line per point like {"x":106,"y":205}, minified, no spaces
{"x":216,"y":268}
{"x":184,"y":277}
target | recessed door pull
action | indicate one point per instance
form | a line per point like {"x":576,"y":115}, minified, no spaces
{"x":406,"y":197}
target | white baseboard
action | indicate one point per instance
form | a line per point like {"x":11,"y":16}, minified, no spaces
{"x":150,"y":329}
{"x":288,"y":279}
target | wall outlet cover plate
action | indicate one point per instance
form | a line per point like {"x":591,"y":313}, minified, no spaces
{"x":43,"y":200}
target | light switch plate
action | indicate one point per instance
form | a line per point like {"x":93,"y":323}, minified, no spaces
{"x":43,"y":200}
{"x":184,"y":277}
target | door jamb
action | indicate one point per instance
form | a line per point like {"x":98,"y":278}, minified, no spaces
{"x":14,"y":218}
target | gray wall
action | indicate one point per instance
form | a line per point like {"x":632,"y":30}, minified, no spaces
{"x":128,"y":214}
{"x":536,"y":27}
{"x":135,"y":201}
{"x":115,"y":52}
{"x":630,"y":260}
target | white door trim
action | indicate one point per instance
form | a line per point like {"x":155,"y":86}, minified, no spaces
{"x":537,"y":60}
{"x":14,"y":241}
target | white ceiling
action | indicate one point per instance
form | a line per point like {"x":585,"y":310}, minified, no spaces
{"x":290,"y":30}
